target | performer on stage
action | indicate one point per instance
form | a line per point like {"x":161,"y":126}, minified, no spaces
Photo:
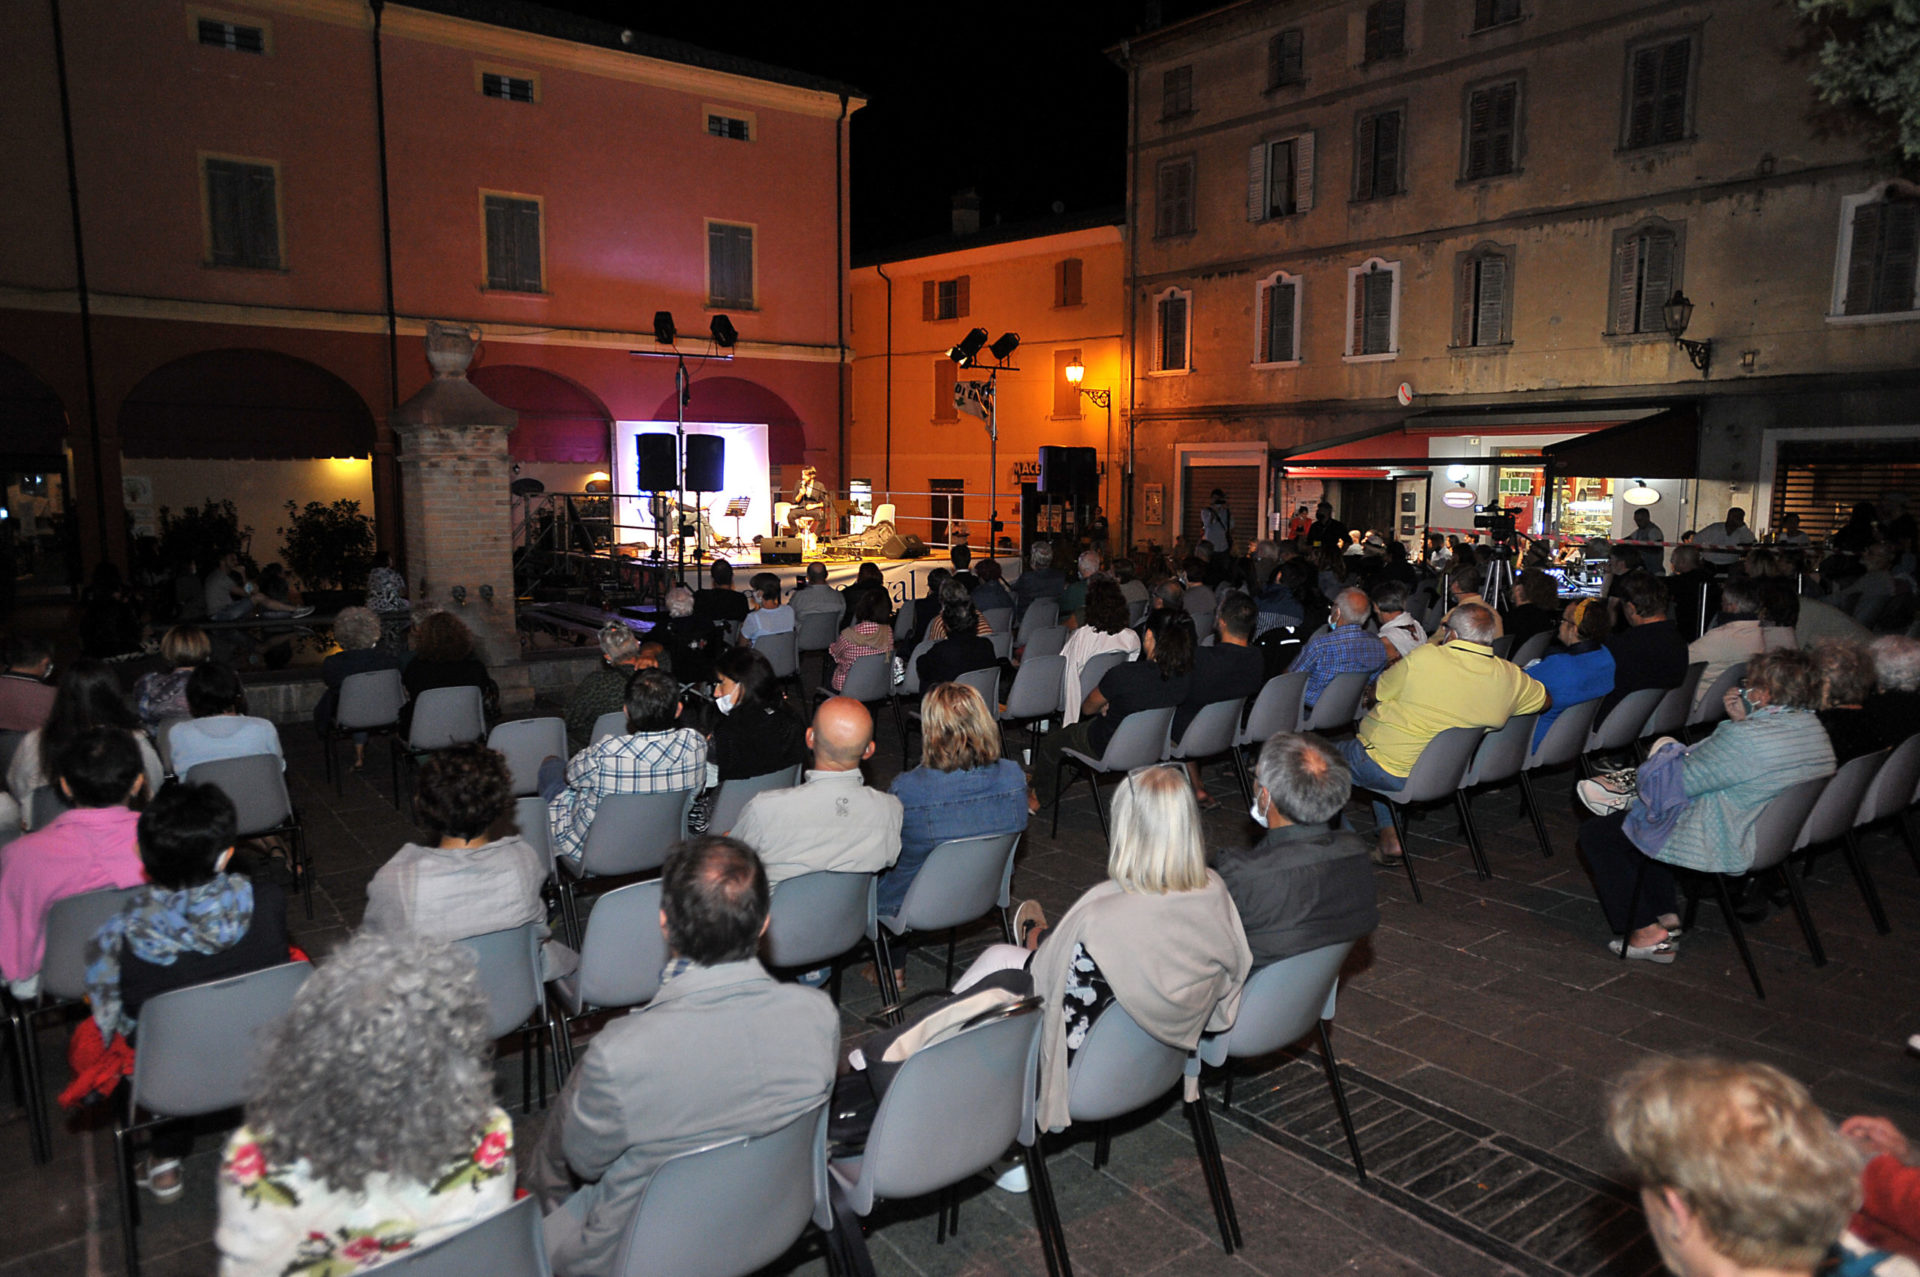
{"x":814,"y":509}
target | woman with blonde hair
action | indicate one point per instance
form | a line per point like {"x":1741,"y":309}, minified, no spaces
{"x":163,"y":694}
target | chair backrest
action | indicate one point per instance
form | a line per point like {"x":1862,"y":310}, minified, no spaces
{"x":1041,"y":614}
{"x":869,"y":678}
{"x":1621,"y":727}
{"x":632,"y":833}
{"x":1210,"y":732}
{"x":1137,"y":611}
{"x":1833,"y":812}
{"x":1669,"y":715}
{"x":1503,"y":646}
{"x":782,"y":652}
{"x":1502,"y":754}
{"x":1035,"y":692}
{"x":1048,"y":640}
{"x":815,"y":631}
{"x":1281,"y":1004}
{"x":373,"y":699}
{"x":1891,"y":790}
{"x":903,"y":622}
{"x":1002,"y":641}
{"x":951,"y":1109}
{"x":524,"y":743}
{"x":509,"y":964}
{"x":1713,"y":706}
{"x":45,"y":805}
{"x":986,"y":682}
{"x":1138,"y":740}
{"x":1276,"y":709}
{"x":772,"y":1185}
{"x":1566,"y":737}
{"x":1202,"y":625}
{"x":611,"y":723}
{"x":1442,"y":763}
{"x":444,"y":716}
{"x":530,"y":817}
{"x":1777,"y":829}
{"x":734,"y":794}
{"x":819,"y":916}
{"x":1000,"y":618}
{"x":163,"y":744}
{"x":1119,"y":1069}
{"x":910,"y":685}
{"x":1339,"y":703}
{"x":9,"y":742}
{"x":71,"y":923}
{"x":1096,"y":669}
{"x":1532,"y":650}
{"x":960,"y":880}
{"x":509,"y":1241}
{"x":623,"y":950}
{"x":255,"y":784}
{"x":199,"y":1046}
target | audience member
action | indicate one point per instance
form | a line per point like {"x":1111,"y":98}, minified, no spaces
{"x":1073,"y":599}
{"x":1399,"y":631}
{"x":815,"y":595}
{"x":1536,"y":606}
{"x":86,"y":848}
{"x":991,"y":595}
{"x":1889,"y":1214}
{"x":162,"y":694}
{"x":220,"y":726}
{"x":769,"y":614}
{"x":1818,"y":619}
{"x":722,"y":1051}
{"x":1739,"y":634}
{"x":1740,"y":1173}
{"x":1200,"y":600}
{"x":443,"y":656}
{"x":1132,"y":588}
{"x":1770,"y":742}
{"x":357,"y":631}
{"x":386,"y":588}
{"x":1721,"y":543}
{"x":1895,"y":706}
{"x":720,"y":601}
{"x":962,"y":787}
{"x":1789,"y":532}
{"x":605,"y":690}
{"x":194,"y":922}
{"x":960,"y":555}
{"x":655,"y":755}
{"x":26,"y":697}
{"x":1161,"y":679}
{"x":1345,"y":649}
{"x":89,"y":696}
{"x":867,"y":579}
{"x":1647,"y":534}
{"x":1648,"y":651}
{"x":756,"y":732}
{"x":925,"y":609}
{"x":230,"y":597}
{"x":959,"y":647}
{"x":1227,"y":670}
{"x":374,"y":1131}
{"x":1845,"y":673}
{"x":831,"y":820}
{"x":1689,"y":587}
{"x":1104,"y":629}
{"x":1582,"y":670}
{"x":1041,"y":580}
{"x":870,"y":632}
{"x":1327,"y":532}
{"x":688,"y":638}
{"x":953,"y":591}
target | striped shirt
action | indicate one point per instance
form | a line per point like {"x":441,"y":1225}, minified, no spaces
{"x":637,"y":763}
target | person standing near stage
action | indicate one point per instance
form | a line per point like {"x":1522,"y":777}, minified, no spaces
{"x":1216,"y":524}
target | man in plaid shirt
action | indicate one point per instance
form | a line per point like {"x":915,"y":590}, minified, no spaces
{"x":1345,"y":649}
{"x":654,"y":756}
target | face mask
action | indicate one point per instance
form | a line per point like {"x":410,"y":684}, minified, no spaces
{"x":725,"y":703}
{"x":1259,"y":817}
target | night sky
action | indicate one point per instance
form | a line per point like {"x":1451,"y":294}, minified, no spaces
{"x":1017,"y":101}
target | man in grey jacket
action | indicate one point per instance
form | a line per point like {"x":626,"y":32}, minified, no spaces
{"x":722,"y":1051}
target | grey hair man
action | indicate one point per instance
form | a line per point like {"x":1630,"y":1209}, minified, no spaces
{"x":1399,"y":631}
{"x":1894,"y":706}
{"x":1347,"y":648}
{"x":1041,"y":580}
{"x":1303,"y":885}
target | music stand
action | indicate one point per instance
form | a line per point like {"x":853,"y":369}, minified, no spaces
{"x":736,"y":510}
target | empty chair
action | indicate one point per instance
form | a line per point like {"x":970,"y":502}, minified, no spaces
{"x":1621,"y":727}
{"x":910,"y":685}
{"x":1000,"y":618}
{"x":1002,"y":645}
{"x":1034,"y":694}
{"x":1137,"y":741}
{"x":369,"y":702}
{"x":1338,"y":706}
{"x":1891,"y":792}
{"x":622,"y":955}
{"x":258,"y":789}
{"x":1501,"y":756}
{"x":1566,"y":737}
{"x":1276,"y":709}
{"x":199,"y":1054}
{"x":509,"y":964}
{"x":1210,"y":734}
{"x":163,"y":746}
{"x":508,"y":1242}
{"x":1532,"y":650}
{"x":1040,"y":614}
{"x":525,"y":743}
{"x":1712,"y":707}
{"x":1669,"y":717}
{"x":782,"y":652}
{"x":962,"y":879}
{"x":817,"y":918}
{"x":734,"y":795}
{"x":1047,"y":641}
{"x":815,"y":632}
{"x":444,"y":716}
{"x":630,"y":834}
{"x":903,"y":622}
{"x":1436,"y":775}
{"x":1832,"y":820}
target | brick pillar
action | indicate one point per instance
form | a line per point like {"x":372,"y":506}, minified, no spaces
{"x":454,"y":479}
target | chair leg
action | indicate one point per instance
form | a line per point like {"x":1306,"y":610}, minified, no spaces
{"x":1736,"y":930}
{"x":1226,"y":1087}
{"x":1213,"y":1172}
{"x":1863,"y":877}
{"x":1059,"y":770}
{"x":393,"y":767}
{"x":1805,"y":915}
{"x":1099,"y":808}
{"x":1340,"y":1096}
{"x":1006,"y":927}
{"x":129,"y":1202}
{"x":883,"y":975}
{"x":303,"y":866}
{"x":26,"y":1071}
{"x":1102,"y":1145}
{"x":1240,"y":771}
{"x":950,"y":937}
{"x":1473,"y":838}
{"x":1046,"y":1212}
{"x":1406,"y":853}
{"x":1531,"y":802}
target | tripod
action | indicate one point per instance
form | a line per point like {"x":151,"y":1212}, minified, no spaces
{"x":1498,"y":588}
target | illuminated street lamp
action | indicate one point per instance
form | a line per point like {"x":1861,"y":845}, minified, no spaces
{"x":1075,"y":372}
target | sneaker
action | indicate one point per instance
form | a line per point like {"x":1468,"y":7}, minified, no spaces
{"x":164,"y":1180}
{"x":1663,"y":742}
{"x":1603,"y":796}
{"x":1026,"y":919}
{"x":1009,"y":1176}
{"x":299,"y":612}
{"x":1913,"y":1042}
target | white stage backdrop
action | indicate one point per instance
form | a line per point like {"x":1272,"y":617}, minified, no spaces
{"x":747,"y":475}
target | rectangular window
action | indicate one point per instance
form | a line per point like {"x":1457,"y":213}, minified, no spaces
{"x":1659,"y":82}
{"x":1176,"y":93}
{"x":944,"y":298}
{"x":1493,"y":13}
{"x":1066,"y":395}
{"x":1280,"y":178}
{"x":1482,"y":315}
{"x":1286,"y":59}
{"x":513,"y":244}
{"x":1881,"y":262}
{"x":730,"y":266}
{"x":508,"y":88}
{"x":728,"y":126}
{"x":1386,"y":33}
{"x":1646,"y":272}
{"x":1174,"y":198}
{"x":1170,"y":319}
{"x":1493,"y":129}
{"x":233,"y":36}
{"x":945,"y":372}
{"x":1067,"y":282}
{"x":1372,"y":311}
{"x":243,"y":214}
{"x":1376,"y":156}
{"x":1278,"y":307}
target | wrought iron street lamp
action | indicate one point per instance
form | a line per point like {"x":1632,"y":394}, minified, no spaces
{"x":1678,"y":313}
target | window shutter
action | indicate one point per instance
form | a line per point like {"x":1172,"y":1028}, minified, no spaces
{"x":1479,"y":130}
{"x":1257,"y":204}
{"x":1482,"y":13}
{"x":944,"y":373}
{"x":1280,"y":298}
{"x":1626,"y":273}
{"x":1643,"y":91}
{"x":1075,"y":280}
{"x":1386,"y":155}
{"x":1899,"y":248}
{"x":929,"y":300}
{"x":1657,"y":281}
{"x":526,"y":249}
{"x":1363,"y":158}
{"x":260,"y":218}
{"x":1284,"y":60}
{"x":1676,"y":59}
{"x":1357,"y":340}
{"x":1265,"y":354}
{"x":1500,"y":142}
{"x":1303,"y":173}
{"x":1466,"y":278}
{"x":499,"y":244}
{"x":223,"y":213}
{"x":1490,"y":319}
{"x":960,"y":309}
{"x":1379,"y":299}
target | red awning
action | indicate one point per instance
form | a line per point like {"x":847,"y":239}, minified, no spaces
{"x":235,"y":404}
{"x":737,"y":400}
{"x":32,"y":419}
{"x":1415,"y":445}
{"x":560,"y":420}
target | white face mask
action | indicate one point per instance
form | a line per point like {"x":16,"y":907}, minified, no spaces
{"x":1259,"y":816}
{"x":725,"y":703}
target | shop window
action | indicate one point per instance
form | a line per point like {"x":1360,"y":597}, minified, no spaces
{"x":1822,"y":480}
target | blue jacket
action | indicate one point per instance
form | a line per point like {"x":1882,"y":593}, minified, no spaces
{"x":1584,"y":672}
{"x":943,"y":805}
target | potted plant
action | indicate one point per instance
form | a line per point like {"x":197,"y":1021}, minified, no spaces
{"x":330,"y":548}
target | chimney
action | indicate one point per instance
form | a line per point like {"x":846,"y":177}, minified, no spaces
{"x":966,"y":213}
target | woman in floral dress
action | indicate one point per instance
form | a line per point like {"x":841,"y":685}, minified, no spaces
{"x":377,"y":1132}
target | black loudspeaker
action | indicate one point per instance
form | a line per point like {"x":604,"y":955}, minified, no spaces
{"x":911,"y":547}
{"x":1069,"y":472}
{"x":780,"y":549}
{"x":657,"y":464}
{"x":707,"y":463}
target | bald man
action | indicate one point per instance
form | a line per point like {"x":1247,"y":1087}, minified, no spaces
{"x":831,"y":821}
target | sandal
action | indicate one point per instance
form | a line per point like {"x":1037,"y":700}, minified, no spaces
{"x":163,"y":1179}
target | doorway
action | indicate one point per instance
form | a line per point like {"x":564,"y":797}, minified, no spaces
{"x":948,"y":512}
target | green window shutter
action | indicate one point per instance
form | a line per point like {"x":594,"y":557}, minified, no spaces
{"x":1279,"y":299}
{"x":1626,"y":279}
{"x":1466,"y":279}
{"x":223,"y":212}
{"x":1363,"y":158}
{"x":1676,"y":63}
{"x":1479,"y":131}
{"x":1643,"y":92}
{"x":1379,"y":304}
{"x":262,"y":218}
{"x":1386,"y":155}
{"x":1490,"y":314}
{"x":1303,"y":173}
{"x":1657,"y":280}
{"x":499,"y":243}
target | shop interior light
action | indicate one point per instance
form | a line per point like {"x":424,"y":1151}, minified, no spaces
{"x":1641,"y":494}
{"x":1459,"y":474}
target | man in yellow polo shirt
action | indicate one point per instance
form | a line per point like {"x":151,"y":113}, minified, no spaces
{"x":1453,"y":681}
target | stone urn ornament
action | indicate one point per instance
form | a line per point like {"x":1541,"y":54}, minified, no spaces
{"x":450,"y":348}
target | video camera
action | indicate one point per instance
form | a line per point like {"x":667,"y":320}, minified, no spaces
{"x":1499,"y":524}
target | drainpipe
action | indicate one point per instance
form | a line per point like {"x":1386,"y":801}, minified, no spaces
{"x":888,"y":486}
{"x":1133,"y":273}
{"x":385,"y":497}
{"x":840,"y":272}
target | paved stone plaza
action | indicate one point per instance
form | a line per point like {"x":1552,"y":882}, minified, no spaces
{"x":1476,"y":1031}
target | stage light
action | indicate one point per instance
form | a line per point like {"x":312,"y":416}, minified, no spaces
{"x":1075,"y":371}
{"x":724,"y":334}
{"x":663,"y":329}
{"x":1008,"y":343}
{"x":969,"y":346}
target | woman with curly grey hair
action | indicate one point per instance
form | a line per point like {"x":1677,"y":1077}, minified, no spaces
{"x":357,"y":631}
{"x":376,"y":1132}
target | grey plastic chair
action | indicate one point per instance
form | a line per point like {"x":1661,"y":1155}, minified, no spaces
{"x":1621,"y":727}
{"x":910,"y":686}
{"x":1041,"y":614}
{"x":1500,"y":757}
{"x":630,"y":834}
{"x":1530,"y":651}
{"x":1892,"y":793}
{"x":818,"y":918}
{"x":257,"y":787}
{"x":1202,"y":625}
{"x":164,"y":746}
{"x":870,"y":681}
{"x":1034,"y":694}
{"x":1210,"y":734}
{"x":1832,"y":820}
{"x":1276,"y":709}
{"x":1136,"y":742}
{"x":782,"y":652}
{"x":903,"y":621}
{"x":509,"y":1242}
{"x":773,"y":1186}
{"x":1095,"y":669}
{"x":815,"y":632}
{"x":1502,"y":646}
{"x":1002,"y":645}
{"x":199,"y":1054}
{"x":1049,"y":640}
{"x":961,"y":879}
{"x":622,"y":955}
{"x":1436,"y":776}
{"x":734,"y":795}
{"x":611,"y":723}
{"x":1338,"y":706}
{"x":509,"y":963}
{"x":1000,"y":618}
{"x":369,"y":703}
{"x":444,"y":716}
{"x":1559,"y":747}
{"x":1137,"y":612}
{"x":1712,"y":708}
{"x":45,"y":805}
{"x":1669,"y":717}
{"x":525,"y":743}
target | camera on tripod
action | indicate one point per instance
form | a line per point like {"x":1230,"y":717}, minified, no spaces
{"x":1499,"y":524}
